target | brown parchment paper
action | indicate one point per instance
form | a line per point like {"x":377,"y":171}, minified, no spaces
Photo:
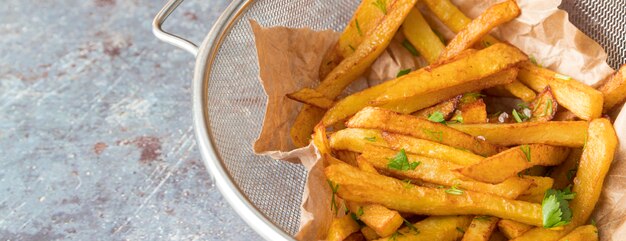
{"x":289,"y":60}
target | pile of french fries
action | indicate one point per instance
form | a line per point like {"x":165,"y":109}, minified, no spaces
{"x":424,"y":156}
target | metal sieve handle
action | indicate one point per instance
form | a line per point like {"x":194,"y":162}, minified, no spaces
{"x":168,"y":37}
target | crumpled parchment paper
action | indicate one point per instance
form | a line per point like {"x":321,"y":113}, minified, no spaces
{"x":289,"y":60}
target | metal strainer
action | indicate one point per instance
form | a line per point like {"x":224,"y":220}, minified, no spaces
{"x":229,"y":102}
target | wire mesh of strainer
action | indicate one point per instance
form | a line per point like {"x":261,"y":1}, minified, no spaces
{"x":235,"y":102}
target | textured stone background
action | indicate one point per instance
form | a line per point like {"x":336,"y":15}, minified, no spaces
{"x":96,"y":139}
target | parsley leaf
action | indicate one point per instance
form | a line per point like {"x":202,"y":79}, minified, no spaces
{"x":401,"y":162}
{"x":360,"y":212}
{"x":408,"y":46}
{"x":518,"y":117}
{"x":394,"y":236}
{"x":358,"y":27}
{"x":534,"y":61}
{"x":370,"y":138}
{"x":571,"y":173}
{"x":411,"y":227}
{"x":555,"y":207}
{"x":382,"y":5}
{"x":454,"y":190}
{"x":437,"y":116}
{"x":403,"y":72}
{"x":457,"y":119}
{"x":351,"y":47}
{"x":460,"y":230}
{"x":333,"y":204}
{"x":526,"y":150}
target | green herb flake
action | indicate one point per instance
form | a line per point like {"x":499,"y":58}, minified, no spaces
{"x":555,"y":207}
{"x":359,"y":212}
{"x":486,"y":44}
{"x":370,"y":138}
{"x":534,"y":61}
{"x":563,"y":77}
{"x":407,"y":183}
{"x":440,"y":36}
{"x":434,"y":135}
{"x":471,"y":97}
{"x":460,"y":230}
{"x":401,"y":162}
{"x":351,"y":47}
{"x":437,"y":116}
{"x":403,"y":72}
{"x":457,"y":119}
{"x":346,"y":210}
{"x":358,"y":27}
{"x":382,"y":5}
{"x":526,"y":150}
{"x":333,"y":203}
{"x":408,"y":46}
{"x":571,"y":174}
{"x":454,"y":190}
{"x":517,"y":116}
{"x":411,"y":227}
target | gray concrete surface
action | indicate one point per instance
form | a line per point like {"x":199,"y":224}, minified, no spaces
{"x":96,"y":139}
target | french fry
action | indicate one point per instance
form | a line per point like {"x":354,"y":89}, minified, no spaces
{"x":537,"y":190}
{"x":431,"y":149}
{"x":506,"y":164}
{"x":556,"y":133}
{"x":480,"y":229}
{"x":311,"y":97}
{"x":359,"y":186}
{"x":475,"y":66}
{"x":446,"y":108}
{"x":351,"y":68}
{"x":341,"y":228}
{"x":544,"y":106}
{"x":512,"y":229}
{"x":421,"y":36}
{"x":614,"y":89}
{"x":441,"y":172}
{"x":365,"y":166}
{"x":581,"y":99}
{"x":377,"y":118}
{"x":382,"y":220}
{"x":366,"y":17}
{"x":582,"y":233}
{"x":369,"y":233}
{"x":564,"y":174}
{"x":347,"y":157}
{"x":441,"y":228}
{"x":474,"y":112}
{"x":494,"y":16}
{"x":357,"y":101}
{"x":514,"y":89}
{"x":594,"y":165}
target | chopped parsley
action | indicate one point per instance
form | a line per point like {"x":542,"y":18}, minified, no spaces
{"x":351,"y":47}
{"x":434,"y":135}
{"x":370,"y":138}
{"x":437,"y":116}
{"x":358,"y":28}
{"x":526,"y":150}
{"x":333,"y":203}
{"x":359,"y":212}
{"x":382,"y":5}
{"x":408,"y":46}
{"x":555,"y":207}
{"x":516,"y":116}
{"x":471,"y":97}
{"x":457,"y":119}
{"x":571,"y":173}
{"x":394,"y":236}
{"x":403,"y":72}
{"x":407,"y":183}
{"x":534,"y":61}
{"x":401,"y":162}
{"x":486,"y":44}
{"x":411,"y":227}
{"x":454,"y":190}
{"x":460,"y":230}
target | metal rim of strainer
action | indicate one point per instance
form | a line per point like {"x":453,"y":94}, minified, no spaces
{"x":205,"y":55}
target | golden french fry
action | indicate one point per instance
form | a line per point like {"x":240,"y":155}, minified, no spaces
{"x":377,"y":118}
{"x":564,"y":174}
{"x":382,"y":220}
{"x":351,"y":68}
{"x":474,"y":66}
{"x":556,"y":133}
{"x":365,"y":166}
{"x":474,"y":112}
{"x":446,"y":108}
{"x":475,"y":30}
{"x":514,"y":89}
{"x":614,"y":89}
{"x":421,"y":36}
{"x":581,"y":99}
{"x":512,"y":229}
{"x":311,"y":97}
{"x":480,"y":229}
{"x":441,"y":228}
{"x":359,"y":186}
{"x":506,"y":164}
{"x":341,"y":228}
{"x":441,"y":172}
{"x":347,"y":157}
{"x":544,"y":106}
{"x":369,"y":233}
{"x":582,"y":233}
{"x":594,"y":165}
{"x":537,"y":190}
